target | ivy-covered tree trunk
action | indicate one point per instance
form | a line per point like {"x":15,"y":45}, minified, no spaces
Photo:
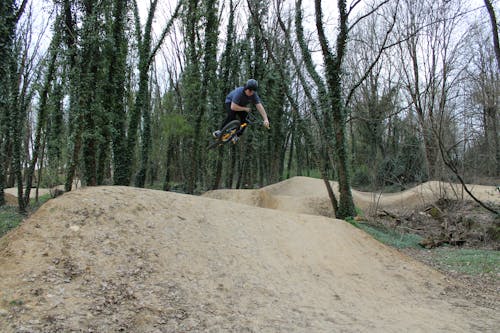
{"x":7,"y":33}
{"x":141,"y":106}
{"x":208,"y":97}
{"x":333,"y":69}
{"x":56,"y":133}
{"x":90,"y":107}
{"x":75,"y":120}
{"x":323,"y":104}
{"x":192,"y":83}
{"x":17,"y":120}
{"x":225,"y":84}
{"x":115,"y":90}
{"x":43,"y":110}
{"x":10,"y":111}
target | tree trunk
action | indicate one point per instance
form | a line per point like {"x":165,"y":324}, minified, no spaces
{"x":117,"y":68}
{"x":494,"y":113}
{"x":141,"y":107}
{"x":333,"y":67}
{"x":75,"y":119}
{"x":7,"y":32}
{"x":494,"y":29}
{"x":42,"y":113}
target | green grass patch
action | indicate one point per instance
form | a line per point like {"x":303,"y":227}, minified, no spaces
{"x":11,"y":218}
{"x":34,"y":205}
{"x":469,"y":261}
{"x":465,"y":261}
{"x":391,"y":237}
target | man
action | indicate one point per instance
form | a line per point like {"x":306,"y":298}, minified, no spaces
{"x":236,"y":105}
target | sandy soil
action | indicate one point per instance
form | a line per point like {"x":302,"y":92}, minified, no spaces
{"x":120,"y":259}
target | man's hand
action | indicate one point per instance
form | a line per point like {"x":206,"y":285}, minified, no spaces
{"x":266,"y":124}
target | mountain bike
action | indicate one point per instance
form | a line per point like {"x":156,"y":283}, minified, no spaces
{"x":229,"y":131}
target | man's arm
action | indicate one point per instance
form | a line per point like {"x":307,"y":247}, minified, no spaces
{"x":237,"y":107}
{"x":263,"y":113}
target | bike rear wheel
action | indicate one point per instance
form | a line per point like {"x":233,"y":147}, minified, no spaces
{"x":229,"y":130}
{"x":227,"y":133}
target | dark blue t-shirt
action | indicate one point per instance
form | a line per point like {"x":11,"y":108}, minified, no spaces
{"x":239,"y":97}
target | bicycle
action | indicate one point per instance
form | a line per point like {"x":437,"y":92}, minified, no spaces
{"x":229,"y":131}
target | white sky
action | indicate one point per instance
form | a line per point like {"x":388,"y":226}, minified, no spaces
{"x":42,"y":10}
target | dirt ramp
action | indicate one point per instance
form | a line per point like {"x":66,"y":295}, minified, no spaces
{"x":320,"y":206}
{"x":257,"y":198}
{"x":10,"y":199}
{"x":299,"y":187}
{"x":421,"y":196}
{"x":112,"y":259}
{"x":264,"y":199}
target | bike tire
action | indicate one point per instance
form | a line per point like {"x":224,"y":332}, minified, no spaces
{"x":228,"y":131}
{"x":226,"y":135}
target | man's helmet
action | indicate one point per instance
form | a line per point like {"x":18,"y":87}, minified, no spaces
{"x":252,"y":85}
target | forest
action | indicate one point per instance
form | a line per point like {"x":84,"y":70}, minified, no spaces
{"x":375,"y":94}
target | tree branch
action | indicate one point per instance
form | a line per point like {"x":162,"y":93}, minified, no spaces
{"x":379,"y":55}
{"x":165,"y":32}
{"x":21,"y":10}
{"x":362,"y":17}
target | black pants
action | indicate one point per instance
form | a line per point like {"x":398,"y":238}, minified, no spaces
{"x":232,"y":115}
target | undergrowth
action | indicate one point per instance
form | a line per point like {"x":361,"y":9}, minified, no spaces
{"x":10,"y":217}
{"x":391,"y":237}
{"x":468,"y":261}
{"x":454,"y":259}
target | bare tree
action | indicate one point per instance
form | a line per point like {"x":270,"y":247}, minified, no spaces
{"x":430,"y":67}
{"x":482,"y":90}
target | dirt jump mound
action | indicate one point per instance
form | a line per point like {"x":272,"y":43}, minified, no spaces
{"x":296,"y":195}
{"x":110,"y":259}
{"x":309,"y":196}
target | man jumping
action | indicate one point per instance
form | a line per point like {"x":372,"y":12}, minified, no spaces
{"x":236,"y":105}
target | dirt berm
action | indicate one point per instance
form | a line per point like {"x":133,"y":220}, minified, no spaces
{"x":122,"y":259}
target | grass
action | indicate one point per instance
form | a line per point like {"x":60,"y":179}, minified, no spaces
{"x":390,"y":237}
{"x":464,"y":261}
{"x":10,"y":217}
{"x":468,"y":261}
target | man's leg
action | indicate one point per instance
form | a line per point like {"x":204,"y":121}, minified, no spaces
{"x":230,"y":115}
{"x":243,"y":118}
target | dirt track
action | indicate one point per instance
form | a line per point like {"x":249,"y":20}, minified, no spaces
{"x":112,"y":259}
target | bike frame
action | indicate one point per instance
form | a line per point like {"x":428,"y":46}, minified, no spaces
{"x":228,"y":134}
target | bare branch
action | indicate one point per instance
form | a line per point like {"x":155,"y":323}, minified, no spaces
{"x":362,"y":17}
{"x":379,"y":55}
{"x":165,"y":32}
{"x":353,"y":6}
